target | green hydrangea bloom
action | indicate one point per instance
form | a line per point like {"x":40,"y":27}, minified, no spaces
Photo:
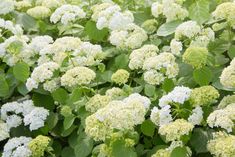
{"x":150,"y":26}
{"x":66,"y":111}
{"x":226,"y":101}
{"x":39,"y":145}
{"x":39,"y":12}
{"x":204,"y":95}
{"x":120,"y":76}
{"x":195,"y":56}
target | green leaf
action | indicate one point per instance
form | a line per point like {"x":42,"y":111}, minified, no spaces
{"x":68,"y":121}
{"x":231,"y":52}
{"x":22,"y":89}
{"x":84,"y":147}
{"x":27,"y":21}
{"x":202,"y":76}
{"x":67,"y":152}
{"x":60,"y":95}
{"x":4,"y":87}
{"x":94,"y":33}
{"x":199,"y":11}
{"x":52,"y":120}
{"x":218,"y":46}
{"x":149,"y":90}
{"x":120,"y":150}
{"x":122,"y":61}
{"x":42,"y":100}
{"x":199,"y":140}
{"x":180,"y":152}
{"x":21,"y":71}
{"x":148,"y":128}
{"x":75,"y":96}
{"x":168,"y":28}
{"x":168,"y":85}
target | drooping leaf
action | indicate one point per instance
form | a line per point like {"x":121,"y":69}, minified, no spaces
{"x":202,"y":76}
{"x":168,"y":28}
{"x":199,"y":11}
{"x":21,"y":71}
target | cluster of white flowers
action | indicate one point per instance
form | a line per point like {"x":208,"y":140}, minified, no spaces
{"x":15,"y":29}
{"x":67,"y":13}
{"x":223,"y":118}
{"x":179,"y":94}
{"x":40,"y":74}
{"x":138,"y":56}
{"x":132,"y":36}
{"x":77,"y":76}
{"x":197,"y":116}
{"x":120,"y":115}
{"x":187,"y":29}
{"x":115,"y":93}
{"x":159,"y":67}
{"x":6,"y":6}
{"x":39,"y":42}
{"x":17,"y":147}
{"x":108,"y":15}
{"x":14,"y":112}
{"x":161,"y":116}
{"x":176,"y":47}
{"x":171,"y":9}
{"x":227,"y":78}
{"x":4,"y":131}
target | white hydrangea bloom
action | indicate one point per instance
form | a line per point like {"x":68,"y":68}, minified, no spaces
{"x":13,"y":121}
{"x":154,"y":65}
{"x":108,"y":15}
{"x":4,"y":131}
{"x":156,"y":9}
{"x":132,"y":36}
{"x":161,"y":116}
{"x":77,"y":76}
{"x":138,"y":56}
{"x":67,"y":13}
{"x":17,"y":147}
{"x":35,"y":119}
{"x":41,"y":73}
{"x":223,"y":118}
{"x":179,"y":94}
{"x":187,"y":29}
{"x":39,"y":42}
{"x":52,"y":85}
{"x":176,"y":47}
{"x":197,"y":116}
{"x":121,"y":115}
{"x":6,"y":6}
{"x":227,"y":78}
{"x":16,"y":29}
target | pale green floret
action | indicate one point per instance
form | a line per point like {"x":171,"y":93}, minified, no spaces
{"x":66,"y":111}
{"x":150,"y":26}
{"x":226,"y":101}
{"x":39,"y":145}
{"x":162,"y":153}
{"x":205,"y":95}
{"x":222,"y":145}
{"x":175,"y":130}
{"x":120,"y":77}
{"x":39,"y":12}
{"x":196,"y":56}
{"x":96,"y":102}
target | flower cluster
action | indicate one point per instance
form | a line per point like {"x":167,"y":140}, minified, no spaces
{"x":222,"y":145}
{"x":121,"y":115}
{"x":227,"y":77}
{"x":120,"y":76}
{"x":159,"y":67}
{"x":14,"y":113}
{"x":223,"y":118}
{"x":67,"y":13}
{"x":108,"y":15}
{"x":171,"y":9}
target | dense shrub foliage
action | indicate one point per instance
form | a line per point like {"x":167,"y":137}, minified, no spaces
{"x":121,"y":78}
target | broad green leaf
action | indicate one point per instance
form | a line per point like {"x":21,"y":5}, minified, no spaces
{"x":84,"y":147}
{"x":148,"y":128}
{"x":142,"y":16}
{"x":22,"y":89}
{"x":60,"y":95}
{"x":218,"y":46}
{"x":4,"y":87}
{"x":122,"y":61}
{"x":42,"y":100}
{"x":67,"y":152}
{"x":119,"y":149}
{"x":26,"y":21}
{"x":74,"y":96}
{"x":68,"y":121}
{"x":199,"y":140}
{"x":168,"y":85}
{"x":52,"y":120}
{"x":231,"y":52}
{"x":149,"y":90}
{"x":202,"y":76}
{"x":94,"y":33}
{"x":21,"y":71}
{"x":199,"y":11}
{"x":168,"y":28}
{"x":180,"y":152}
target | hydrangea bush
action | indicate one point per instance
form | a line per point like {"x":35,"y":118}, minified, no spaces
{"x":117,"y":78}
